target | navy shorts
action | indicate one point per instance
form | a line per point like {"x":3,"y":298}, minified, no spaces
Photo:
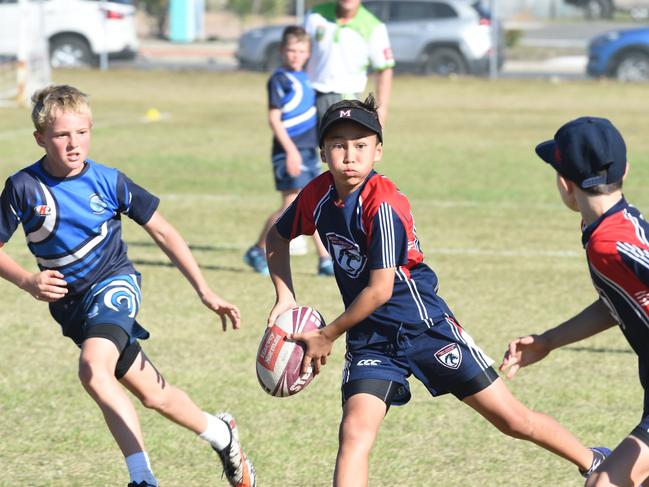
{"x":444,"y":358}
{"x":311,"y":167}
{"x":642,"y":430}
{"x":113,"y":301}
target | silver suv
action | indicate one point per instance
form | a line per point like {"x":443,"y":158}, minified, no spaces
{"x":440,"y":37}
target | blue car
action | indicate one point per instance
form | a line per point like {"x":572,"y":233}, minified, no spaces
{"x":622,"y":54}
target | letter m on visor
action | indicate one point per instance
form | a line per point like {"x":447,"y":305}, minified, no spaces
{"x":345,"y":113}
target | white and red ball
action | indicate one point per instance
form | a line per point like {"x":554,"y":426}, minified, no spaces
{"x":279,"y":361}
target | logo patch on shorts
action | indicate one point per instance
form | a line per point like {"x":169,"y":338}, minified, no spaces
{"x":368,"y":362}
{"x":450,"y":356}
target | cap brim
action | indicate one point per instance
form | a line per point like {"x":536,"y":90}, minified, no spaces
{"x":357,"y":116}
{"x":546,"y":151}
{"x":333,"y":122}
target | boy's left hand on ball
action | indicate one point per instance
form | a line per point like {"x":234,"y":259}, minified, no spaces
{"x":318,"y":348}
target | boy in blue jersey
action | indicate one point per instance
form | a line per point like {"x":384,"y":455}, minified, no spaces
{"x":589,"y":157}
{"x":293,"y":119}
{"x":395,"y":322}
{"x":70,"y":209}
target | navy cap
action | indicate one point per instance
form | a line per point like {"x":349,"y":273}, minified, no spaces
{"x":347,"y":111}
{"x":583,"y":148}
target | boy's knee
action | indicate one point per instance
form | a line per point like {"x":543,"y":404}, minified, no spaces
{"x":92,"y":376}
{"x":159,"y":400}
{"x":154,"y":401}
{"x":517,"y":425}
{"x":356,"y":433}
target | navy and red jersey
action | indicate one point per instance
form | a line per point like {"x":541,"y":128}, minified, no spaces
{"x":73,"y":224}
{"x":373,"y":228}
{"x":617,"y":248}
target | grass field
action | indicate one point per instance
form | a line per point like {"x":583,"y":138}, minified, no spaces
{"x":507,"y":254}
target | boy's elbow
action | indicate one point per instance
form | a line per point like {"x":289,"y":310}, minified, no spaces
{"x":273,"y":237}
{"x":383,"y":295}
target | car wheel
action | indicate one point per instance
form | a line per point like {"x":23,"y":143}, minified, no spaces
{"x":633,"y":66}
{"x":599,"y":9}
{"x":69,"y":51}
{"x":444,"y":61}
{"x":273,"y":58}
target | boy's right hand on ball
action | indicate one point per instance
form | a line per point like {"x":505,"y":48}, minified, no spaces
{"x":47,"y":285}
{"x":278,"y":309}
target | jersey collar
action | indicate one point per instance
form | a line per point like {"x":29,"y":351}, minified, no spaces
{"x":351,"y":196}
{"x":587,"y":231}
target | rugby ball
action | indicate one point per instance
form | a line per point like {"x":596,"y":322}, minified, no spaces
{"x":279,"y":360}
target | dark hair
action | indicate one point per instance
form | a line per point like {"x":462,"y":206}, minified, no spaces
{"x":368,"y":105}
{"x":361,"y":112}
{"x":296,"y":32}
{"x":603,"y":189}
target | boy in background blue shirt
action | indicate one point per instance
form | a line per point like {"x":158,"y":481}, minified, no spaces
{"x":293,"y":119}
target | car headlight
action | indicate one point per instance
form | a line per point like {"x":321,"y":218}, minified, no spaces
{"x":612,"y":36}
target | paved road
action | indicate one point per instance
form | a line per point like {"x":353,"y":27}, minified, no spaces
{"x":568,"y":35}
{"x":219,"y":56}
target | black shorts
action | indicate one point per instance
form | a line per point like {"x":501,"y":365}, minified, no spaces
{"x":128,"y":352}
{"x":389,"y":390}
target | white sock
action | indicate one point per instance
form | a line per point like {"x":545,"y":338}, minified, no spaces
{"x":139,"y":468}
{"x":217,"y":432}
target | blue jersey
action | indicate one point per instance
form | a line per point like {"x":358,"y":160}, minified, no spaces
{"x":73,"y":224}
{"x":291,"y":92}
{"x":373,"y":228}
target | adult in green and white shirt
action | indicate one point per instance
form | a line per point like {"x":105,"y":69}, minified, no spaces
{"x":347,"y":41}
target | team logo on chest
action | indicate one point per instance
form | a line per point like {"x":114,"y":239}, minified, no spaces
{"x":97,"y":204}
{"x":346,"y":254}
{"x":449,"y":356}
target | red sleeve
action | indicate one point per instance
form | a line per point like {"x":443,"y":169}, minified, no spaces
{"x":299,"y":218}
{"x":377,"y":194}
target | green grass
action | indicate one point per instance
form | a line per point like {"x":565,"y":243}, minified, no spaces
{"x":491,"y":223}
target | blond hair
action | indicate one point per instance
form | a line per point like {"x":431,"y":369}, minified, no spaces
{"x":64,"y":97}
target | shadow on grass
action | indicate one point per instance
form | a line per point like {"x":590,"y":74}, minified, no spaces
{"x":598,"y":350}
{"x":207,"y":267}
{"x":215,"y":248}
{"x":160,"y":263}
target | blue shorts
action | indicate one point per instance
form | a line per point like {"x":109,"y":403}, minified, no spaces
{"x":113,"y":301}
{"x":444,"y":358}
{"x":311,"y":167}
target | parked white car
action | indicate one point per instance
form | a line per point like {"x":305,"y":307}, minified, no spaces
{"x":78,"y":31}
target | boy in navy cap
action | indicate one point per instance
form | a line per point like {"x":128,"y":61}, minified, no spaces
{"x":589,"y":156}
{"x":395,"y":323}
